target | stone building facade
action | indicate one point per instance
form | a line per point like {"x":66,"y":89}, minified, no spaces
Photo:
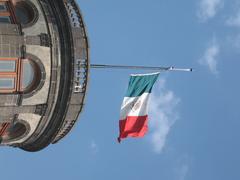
{"x":44,"y":69}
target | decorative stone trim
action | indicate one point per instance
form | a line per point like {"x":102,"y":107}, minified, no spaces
{"x":44,"y":40}
{"x":41,"y":109}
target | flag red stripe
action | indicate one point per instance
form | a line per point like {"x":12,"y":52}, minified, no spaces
{"x":133,"y":126}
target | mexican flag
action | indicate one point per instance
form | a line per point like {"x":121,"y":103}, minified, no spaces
{"x":134,"y":109}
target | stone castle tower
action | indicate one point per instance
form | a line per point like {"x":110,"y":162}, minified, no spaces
{"x":44,"y":68}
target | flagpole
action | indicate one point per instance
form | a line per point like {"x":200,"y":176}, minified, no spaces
{"x":155,"y":68}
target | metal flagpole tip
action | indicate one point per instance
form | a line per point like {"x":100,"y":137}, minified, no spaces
{"x":171,"y":68}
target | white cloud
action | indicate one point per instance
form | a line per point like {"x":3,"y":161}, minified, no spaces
{"x":210,"y":57}
{"x":182,"y":168}
{"x":183,"y":171}
{"x":234,"y":41}
{"x":234,"y":20}
{"x":209,"y":8}
{"x":162,"y":115}
{"x":93,"y":147}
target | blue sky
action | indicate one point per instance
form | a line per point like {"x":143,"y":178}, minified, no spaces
{"x":194,"y":117}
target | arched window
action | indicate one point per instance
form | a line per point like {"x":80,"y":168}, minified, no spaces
{"x":18,"y":11}
{"x":12,"y":131}
{"x":18,"y":75}
{"x":26,"y":13}
{"x":30,"y":76}
{"x":27,"y":74}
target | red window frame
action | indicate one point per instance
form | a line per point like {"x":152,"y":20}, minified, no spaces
{"x":14,"y":74}
{"x":3,"y":128}
{"x":9,"y":12}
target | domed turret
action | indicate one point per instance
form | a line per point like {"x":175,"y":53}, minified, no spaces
{"x":44,"y":68}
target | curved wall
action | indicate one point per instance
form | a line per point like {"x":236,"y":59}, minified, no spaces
{"x":55,"y":41}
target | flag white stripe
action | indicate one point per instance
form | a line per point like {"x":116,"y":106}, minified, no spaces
{"x":149,"y":74}
{"x":134,"y":106}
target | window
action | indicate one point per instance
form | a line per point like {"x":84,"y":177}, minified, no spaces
{"x":26,"y":13}
{"x":15,"y":130}
{"x":3,"y":6}
{"x":9,"y":76}
{"x":7,"y":83}
{"x":5,"y":19}
{"x":7,"y":66}
{"x":18,"y":75}
{"x":7,"y":14}
{"x":28,"y":74}
{"x":12,"y":131}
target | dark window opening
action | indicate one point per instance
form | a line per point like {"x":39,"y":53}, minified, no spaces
{"x":25,"y":12}
{"x":5,"y":19}
{"x":12,"y":131}
{"x":3,"y":6}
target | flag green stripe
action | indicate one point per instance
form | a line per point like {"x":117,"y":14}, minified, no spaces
{"x":141,"y":84}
